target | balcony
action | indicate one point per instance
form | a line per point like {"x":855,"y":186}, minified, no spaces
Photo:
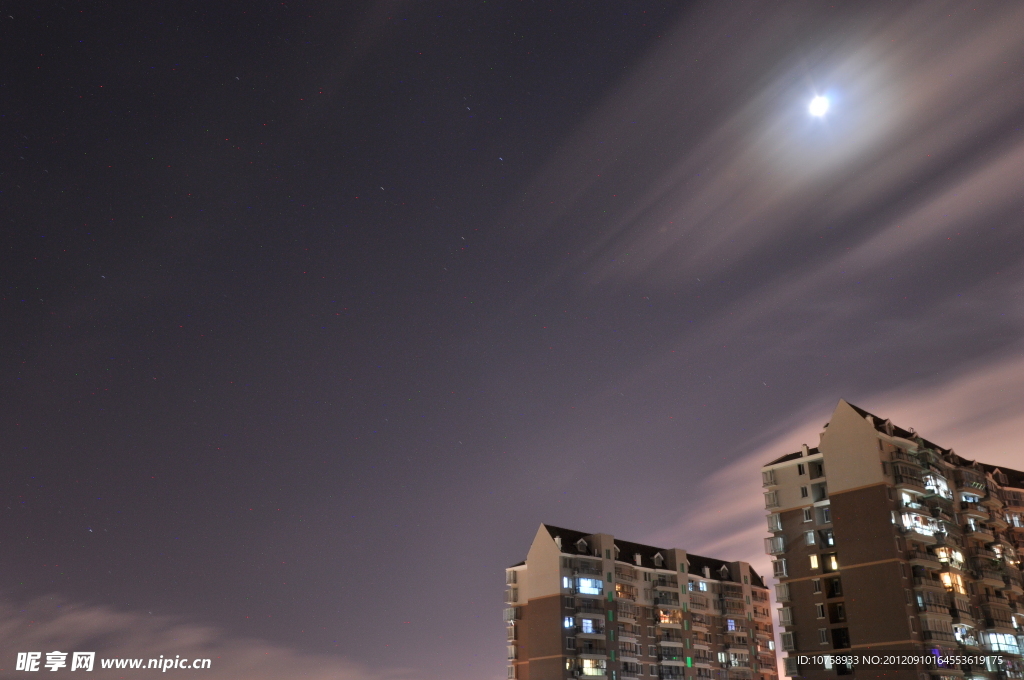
{"x":940,"y":636}
{"x":983,"y":553}
{"x":995,"y":599}
{"x":999,"y":622}
{"x":587,"y":570}
{"x":670,"y":639}
{"x":924,"y":559}
{"x":970,"y":481}
{"x":992,"y":500}
{"x":934,"y":608}
{"x":585,"y":606}
{"x":980,"y":532}
{"x":669,"y":583}
{"x":585,"y":649}
{"x":627,"y":611}
{"x":990,"y":578}
{"x":768,"y":478}
{"x":740,"y":641}
{"x":630,"y":650}
{"x":731,"y":592}
{"x":702,"y":641}
{"x":1013,"y":585}
{"x":628,"y":631}
{"x":666,"y":599}
{"x":900,"y":456}
{"x":624,"y":575}
{"x":906,"y":478}
{"x":926,"y":582}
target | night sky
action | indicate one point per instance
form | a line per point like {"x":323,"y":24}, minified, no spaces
{"x":312,"y":312}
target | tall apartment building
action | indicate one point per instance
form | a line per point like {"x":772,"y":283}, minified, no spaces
{"x":593,"y":605}
{"x":885,"y":541}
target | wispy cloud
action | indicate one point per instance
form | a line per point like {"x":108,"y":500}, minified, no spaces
{"x":49,"y":624}
{"x":977,"y":412}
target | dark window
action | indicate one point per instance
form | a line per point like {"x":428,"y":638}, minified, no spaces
{"x":841,"y":638}
{"x":835,"y":587}
{"x":800,"y":468}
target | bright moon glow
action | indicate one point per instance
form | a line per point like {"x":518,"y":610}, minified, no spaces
{"x":818,"y":107}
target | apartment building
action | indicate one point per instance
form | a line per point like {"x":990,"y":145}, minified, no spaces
{"x":885,"y":541}
{"x":593,"y":605}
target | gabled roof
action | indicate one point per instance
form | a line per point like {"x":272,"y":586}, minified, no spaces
{"x":1014,"y":477}
{"x":794,"y":456}
{"x":628,"y":549}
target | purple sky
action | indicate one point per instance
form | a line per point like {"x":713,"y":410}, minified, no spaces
{"x":311,"y":313}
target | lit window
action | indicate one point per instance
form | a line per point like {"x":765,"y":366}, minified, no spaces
{"x":568,"y":622}
{"x":809,"y":537}
{"x":566,"y":582}
{"x":587,"y":626}
{"x":814,"y":561}
{"x":589,"y":586}
{"x":730,"y":624}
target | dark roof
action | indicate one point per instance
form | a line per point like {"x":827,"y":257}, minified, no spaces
{"x":628,"y":549}
{"x":793,"y":456}
{"x":897,"y":431}
{"x":517,"y":564}
{"x":1015,"y":478}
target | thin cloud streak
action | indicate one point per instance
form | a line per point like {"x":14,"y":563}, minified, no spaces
{"x":976,"y":412}
{"x":49,"y":624}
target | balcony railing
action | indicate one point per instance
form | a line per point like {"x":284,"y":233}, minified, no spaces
{"x":924,"y":581}
{"x":981,"y":531}
{"x":922,"y":556}
{"x":592,"y":631}
{"x":982,"y":553}
{"x":971,"y":507}
{"x":625,"y":576}
{"x":995,"y":599}
{"x":990,"y":574}
{"x":589,"y":606}
{"x":667,"y":583}
{"x":933,"y":607}
{"x":938,"y":636}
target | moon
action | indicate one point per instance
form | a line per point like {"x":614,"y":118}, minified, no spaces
{"x":818,"y":106}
